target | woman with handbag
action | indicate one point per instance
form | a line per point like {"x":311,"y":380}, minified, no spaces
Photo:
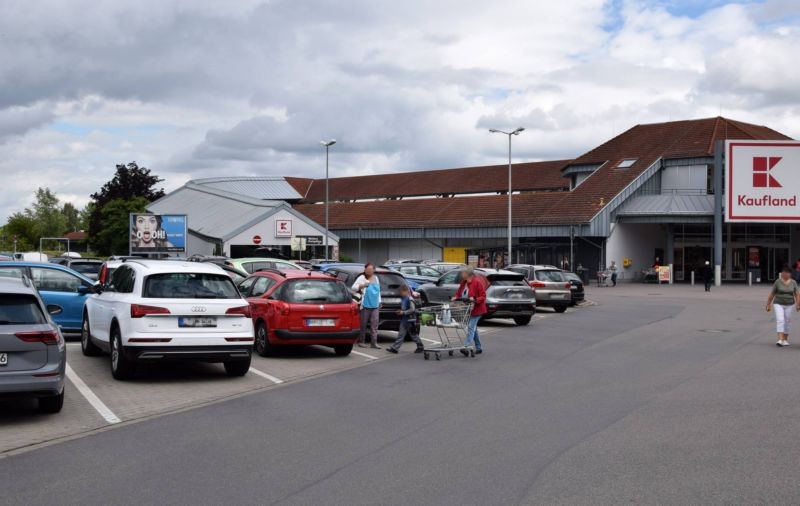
{"x":369,"y":287}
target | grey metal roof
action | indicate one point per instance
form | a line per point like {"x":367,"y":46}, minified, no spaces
{"x":668,"y":204}
{"x":213,"y":213}
{"x":265,"y":187}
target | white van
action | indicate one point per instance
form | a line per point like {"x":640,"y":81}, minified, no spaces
{"x":31,"y":256}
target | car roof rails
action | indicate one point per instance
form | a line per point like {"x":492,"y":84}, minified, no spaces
{"x":274,"y":271}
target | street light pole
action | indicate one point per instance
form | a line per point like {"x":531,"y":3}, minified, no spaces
{"x":327,"y":145}
{"x":509,"y":134}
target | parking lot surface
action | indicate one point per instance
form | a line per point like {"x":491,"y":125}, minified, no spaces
{"x":95,"y":400}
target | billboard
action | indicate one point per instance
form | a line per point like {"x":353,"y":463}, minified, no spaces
{"x":762,"y":179}
{"x":158,"y":233}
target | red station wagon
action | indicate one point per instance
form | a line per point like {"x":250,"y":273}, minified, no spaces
{"x":301,"y":308}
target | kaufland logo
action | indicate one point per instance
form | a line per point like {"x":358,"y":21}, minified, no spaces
{"x":763,"y":178}
{"x":762,"y":166}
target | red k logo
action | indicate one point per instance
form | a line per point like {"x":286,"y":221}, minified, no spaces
{"x":762,"y":166}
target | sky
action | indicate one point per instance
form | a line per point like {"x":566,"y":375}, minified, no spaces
{"x":203,"y":88}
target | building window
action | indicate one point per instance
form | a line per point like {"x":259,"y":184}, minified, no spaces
{"x":628,"y":162}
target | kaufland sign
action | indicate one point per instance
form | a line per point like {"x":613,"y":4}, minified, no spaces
{"x":762,"y":179}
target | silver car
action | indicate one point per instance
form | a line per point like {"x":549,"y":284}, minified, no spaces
{"x":33,"y":357}
{"x":548,"y":282}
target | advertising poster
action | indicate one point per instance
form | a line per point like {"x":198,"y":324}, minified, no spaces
{"x":158,"y":233}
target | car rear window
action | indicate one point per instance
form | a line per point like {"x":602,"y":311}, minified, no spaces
{"x":312,"y":291}
{"x":86,"y":267}
{"x":185,"y":285}
{"x":572,"y":277}
{"x":506,"y":280}
{"x":390,"y":283}
{"x":20,"y":309}
{"x":549,"y":275}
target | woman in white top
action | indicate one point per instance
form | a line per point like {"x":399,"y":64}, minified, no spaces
{"x":369,"y":287}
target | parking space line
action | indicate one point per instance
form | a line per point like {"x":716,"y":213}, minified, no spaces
{"x":270,"y":377}
{"x":95,"y":401}
{"x":354,"y":352}
{"x":429,"y":340}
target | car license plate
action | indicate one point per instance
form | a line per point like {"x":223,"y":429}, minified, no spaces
{"x":516,"y":295}
{"x":3,"y":359}
{"x":198,"y":322}
{"x":558,"y":295}
{"x":320,"y":322}
{"x":391,"y":300}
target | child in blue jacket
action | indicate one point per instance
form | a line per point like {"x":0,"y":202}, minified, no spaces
{"x":408,"y":322}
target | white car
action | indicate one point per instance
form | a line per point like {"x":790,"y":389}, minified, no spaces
{"x":153,"y":311}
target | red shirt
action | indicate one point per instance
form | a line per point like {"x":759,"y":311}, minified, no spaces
{"x":475,"y":289}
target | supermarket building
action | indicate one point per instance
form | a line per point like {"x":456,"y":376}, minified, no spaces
{"x":646,"y":196}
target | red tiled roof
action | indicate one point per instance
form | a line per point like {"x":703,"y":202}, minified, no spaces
{"x":644,"y":143}
{"x":76,"y":236}
{"x":300,"y":184}
{"x":531,"y":176}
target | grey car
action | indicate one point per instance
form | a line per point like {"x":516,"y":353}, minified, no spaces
{"x":552,"y":288}
{"x":33,"y":357}
{"x":507,"y":294}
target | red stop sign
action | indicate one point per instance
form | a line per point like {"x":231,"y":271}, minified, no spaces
{"x":256,"y":239}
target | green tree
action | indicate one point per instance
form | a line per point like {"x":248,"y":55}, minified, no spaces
{"x":72,"y":217}
{"x":113,"y":238}
{"x":23,"y":227}
{"x":46,"y":214}
{"x":129,"y":182}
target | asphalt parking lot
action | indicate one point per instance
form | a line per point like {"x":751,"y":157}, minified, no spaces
{"x":94,"y":400}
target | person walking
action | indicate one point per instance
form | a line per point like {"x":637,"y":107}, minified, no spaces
{"x":408,"y":322}
{"x":472,"y":289}
{"x":783,"y":300}
{"x":613,"y":270}
{"x":368,"y":285}
{"x":708,"y":275}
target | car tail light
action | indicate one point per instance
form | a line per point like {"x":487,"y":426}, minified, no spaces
{"x":569,"y":286}
{"x":140,"y":310}
{"x":46,"y":337}
{"x":240,"y":310}
{"x":538,"y":284}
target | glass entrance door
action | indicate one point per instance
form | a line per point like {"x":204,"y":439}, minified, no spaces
{"x":776,"y":259}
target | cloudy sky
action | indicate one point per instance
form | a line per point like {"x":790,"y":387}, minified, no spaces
{"x":201,"y":88}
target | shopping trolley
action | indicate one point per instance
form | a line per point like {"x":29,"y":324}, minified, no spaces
{"x":452,"y":325}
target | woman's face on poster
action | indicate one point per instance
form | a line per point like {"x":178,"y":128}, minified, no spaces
{"x":146,"y":227}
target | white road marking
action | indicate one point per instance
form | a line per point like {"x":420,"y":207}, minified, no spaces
{"x":95,"y":401}
{"x":270,"y":377}
{"x":354,"y":352}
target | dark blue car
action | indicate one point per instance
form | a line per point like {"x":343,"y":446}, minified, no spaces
{"x":57,"y":286}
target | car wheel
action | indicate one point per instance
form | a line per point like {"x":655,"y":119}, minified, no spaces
{"x":88,"y":348}
{"x":235,"y":368}
{"x":560,"y":309}
{"x":262,"y":345}
{"x":522,"y":320}
{"x":343,"y":350}
{"x":121,"y":367}
{"x":52,"y":404}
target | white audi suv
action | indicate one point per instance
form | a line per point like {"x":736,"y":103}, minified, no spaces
{"x":154,"y":311}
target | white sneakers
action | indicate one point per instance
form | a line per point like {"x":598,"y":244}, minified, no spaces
{"x":782,"y":342}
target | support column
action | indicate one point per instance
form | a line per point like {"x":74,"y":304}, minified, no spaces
{"x":669,"y":250}
{"x":719,"y":148}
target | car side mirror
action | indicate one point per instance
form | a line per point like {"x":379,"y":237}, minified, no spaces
{"x":54,"y":309}
{"x":83,"y":289}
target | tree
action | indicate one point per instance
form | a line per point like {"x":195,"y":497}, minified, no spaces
{"x":48,"y":220}
{"x":129,"y":182}
{"x":113,"y":238}
{"x":23,"y":226}
{"x":72,"y":218}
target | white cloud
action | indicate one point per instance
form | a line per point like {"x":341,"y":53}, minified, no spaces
{"x":196,"y":88}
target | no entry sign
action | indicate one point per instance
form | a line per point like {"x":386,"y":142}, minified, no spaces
{"x":256,"y":239}
{"x":762,"y":180}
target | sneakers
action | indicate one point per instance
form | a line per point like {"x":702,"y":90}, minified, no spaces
{"x":374,"y":347}
{"x":392,"y":350}
{"x":782,"y":343}
{"x":362,"y":345}
{"x":478,"y":352}
{"x":464,"y":352}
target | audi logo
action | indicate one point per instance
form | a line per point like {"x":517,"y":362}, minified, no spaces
{"x":198,"y":309}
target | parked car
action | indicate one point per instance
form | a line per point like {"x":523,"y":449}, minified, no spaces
{"x":443,"y":267}
{"x":390,"y":282}
{"x":58,"y":286}
{"x":418,"y":273}
{"x":508,"y":295}
{"x":89,"y":267}
{"x":251,"y":265}
{"x":552,"y":289}
{"x":576,"y":287}
{"x":301,"y":308}
{"x":154,"y":311}
{"x":33,"y":356}
{"x":403,"y":261}
{"x":31,"y":256}
{"x":305,"y":264}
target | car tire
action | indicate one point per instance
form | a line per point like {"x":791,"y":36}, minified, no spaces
{"x":237,"y":368}
{"x":121,"y":367}
{"x":343,"y":350}
{"x":522,"y":320}
{"x":424,"y":299}
{"x":261,"y":344}
{"x":88,"y":348}
{"x":51,"y":404}
{"x":560,"y":309}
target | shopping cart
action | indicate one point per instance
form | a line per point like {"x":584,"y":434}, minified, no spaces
{"x":451,"y":322}
{"x":603,"y":277}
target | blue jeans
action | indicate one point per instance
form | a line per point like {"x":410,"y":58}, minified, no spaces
{"x":472,"y":333}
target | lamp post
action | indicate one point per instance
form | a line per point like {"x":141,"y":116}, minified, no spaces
{"x":509,"y":134}
{"x":327,"y":145}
